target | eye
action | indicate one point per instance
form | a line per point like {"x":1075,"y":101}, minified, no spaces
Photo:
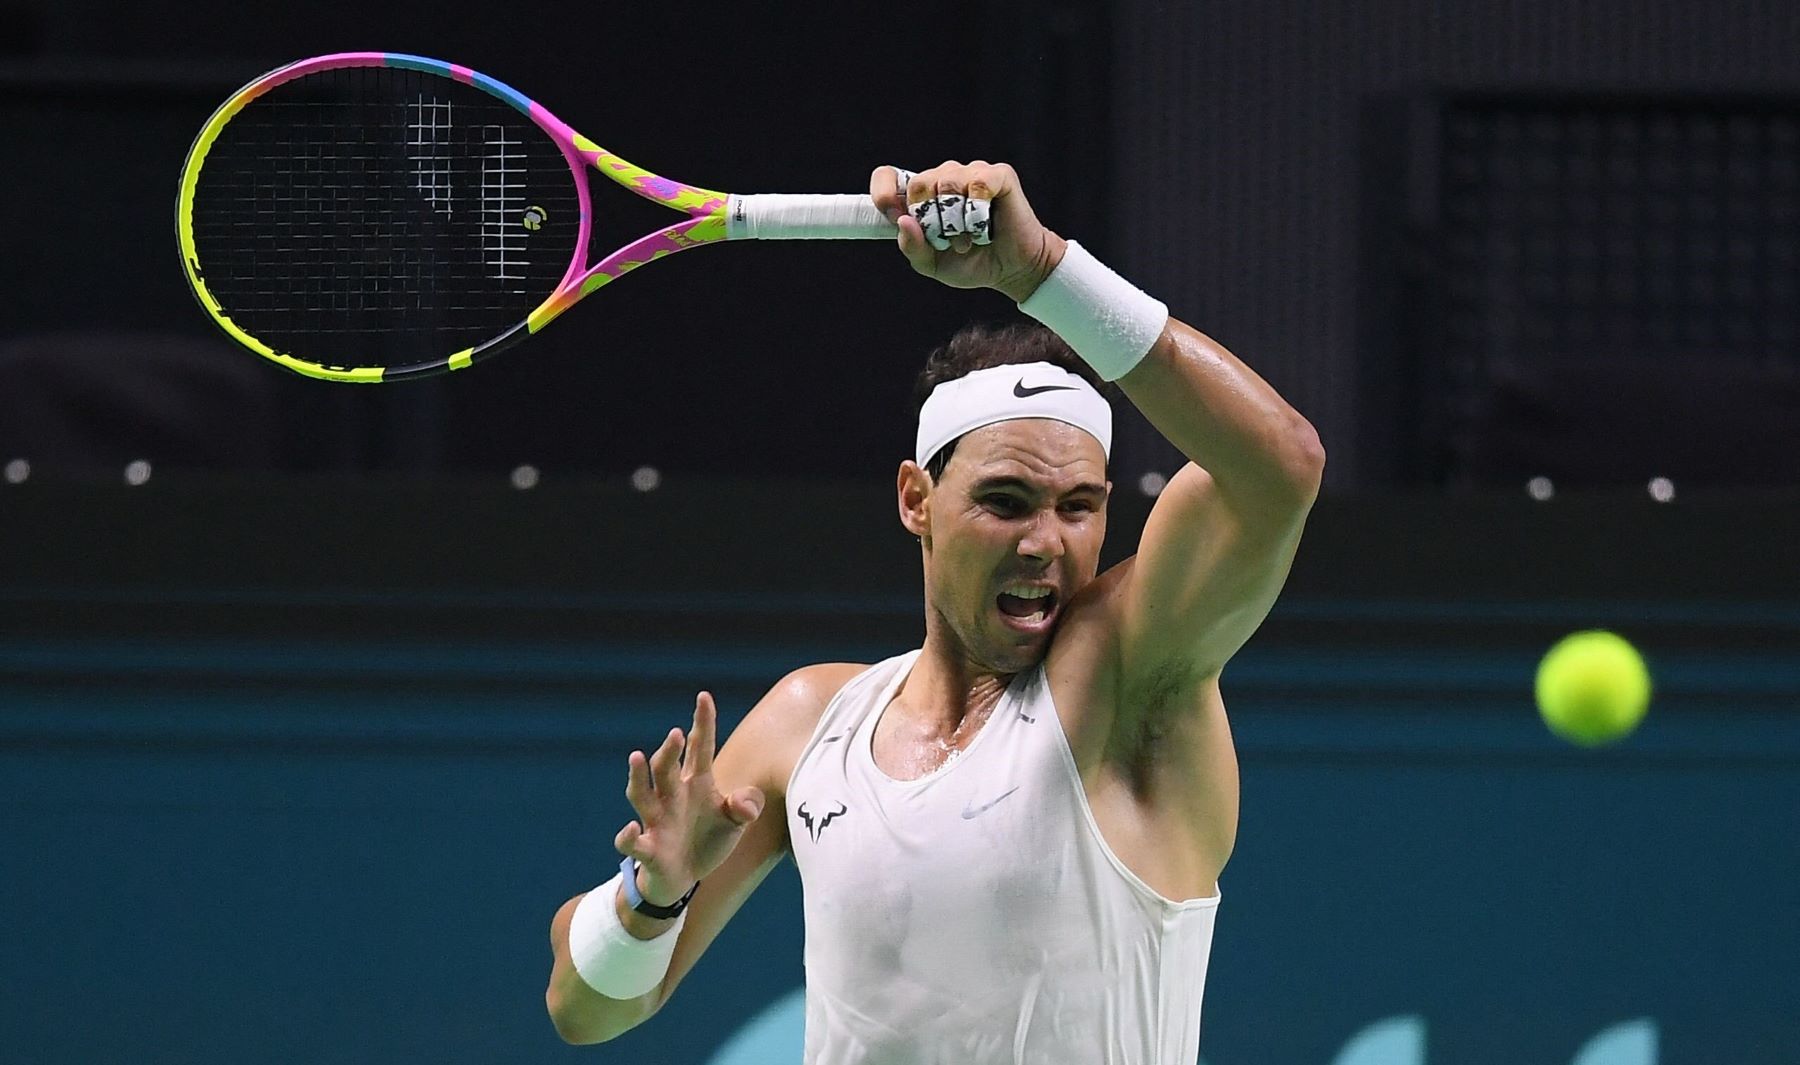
{"x":1004,"y":505}
{"x":1080,"y":506}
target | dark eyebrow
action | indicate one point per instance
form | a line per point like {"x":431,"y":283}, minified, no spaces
{"x":988,"y":484}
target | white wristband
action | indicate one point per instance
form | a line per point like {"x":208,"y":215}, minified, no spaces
{"x":1109,"y":321}
{"x":611,"y":960}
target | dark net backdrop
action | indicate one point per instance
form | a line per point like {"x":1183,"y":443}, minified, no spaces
{"x":1371,"y":203}
{"x":735,"y":360}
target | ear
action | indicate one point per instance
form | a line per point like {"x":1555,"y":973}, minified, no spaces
{"x":913,"y":489}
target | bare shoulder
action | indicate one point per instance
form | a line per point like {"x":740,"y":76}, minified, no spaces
{"x":813,"y":687}
{"x":795,"y":703}
{"x":765,"y":745}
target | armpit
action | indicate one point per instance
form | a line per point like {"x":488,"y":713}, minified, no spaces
{"x":1148,"y":712}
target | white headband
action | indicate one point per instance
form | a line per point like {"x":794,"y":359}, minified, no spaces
{"x":1003,"y":393}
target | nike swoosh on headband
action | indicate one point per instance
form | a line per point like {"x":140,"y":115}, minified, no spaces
{"x":1025,"y":393}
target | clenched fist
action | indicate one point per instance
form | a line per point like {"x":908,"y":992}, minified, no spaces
{"x":969,"y":226}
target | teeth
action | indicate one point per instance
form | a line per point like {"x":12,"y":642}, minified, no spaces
{"x":1025,"y":591}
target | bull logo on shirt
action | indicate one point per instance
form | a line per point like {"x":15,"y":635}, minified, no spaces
{"x":817,"y":828}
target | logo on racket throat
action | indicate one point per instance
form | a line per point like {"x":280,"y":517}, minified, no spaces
{"x":534,"y":217}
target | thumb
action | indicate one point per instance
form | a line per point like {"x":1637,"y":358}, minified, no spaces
{"x":914,"y":246}
{"x":744,"y":805}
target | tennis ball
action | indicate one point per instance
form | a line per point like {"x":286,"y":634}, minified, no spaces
{"x":1592,"y":688}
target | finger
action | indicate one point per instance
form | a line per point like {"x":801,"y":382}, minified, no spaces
{"x":629,"y":842}
{"x":744,"y":805}
{"x":976,"y":213}
{"x":930,"y":216}
{"x":990,"y":180}
{"x":921,"y":203}
{"x":961,"y":243}
{"x":666,"y":762}
{"x":986,"y":182}
{"x":925,"y":212}
{"x":701,"y":737}
{"x":638,"y":791}
{"x":915,"y":247}
{"x":887,"y":189}
{"x":949,"y":198}
{"x":950,"y":214}
{"x":921,"y":187}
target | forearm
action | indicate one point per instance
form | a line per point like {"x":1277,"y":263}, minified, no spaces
{"x":1221,"y":414}
{"x":1213,"y":408}
{"x":581,"y":1014}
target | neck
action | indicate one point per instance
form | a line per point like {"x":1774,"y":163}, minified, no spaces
{"x":946,"y":690}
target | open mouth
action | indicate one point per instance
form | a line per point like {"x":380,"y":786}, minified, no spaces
{"x":1028,"y":605}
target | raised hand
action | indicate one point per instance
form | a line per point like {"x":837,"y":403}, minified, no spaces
{"x":685,"y":828}
{"x":969,"y":226}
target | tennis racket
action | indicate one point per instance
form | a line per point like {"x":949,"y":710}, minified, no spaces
{"x":374,"y":216}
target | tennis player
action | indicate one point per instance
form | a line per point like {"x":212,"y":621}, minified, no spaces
{"x":1009,"y":839}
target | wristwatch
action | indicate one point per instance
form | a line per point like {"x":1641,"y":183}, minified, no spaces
{"x":629,"y":870}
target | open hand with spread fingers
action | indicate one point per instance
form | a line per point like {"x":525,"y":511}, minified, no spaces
{"x":685,"y":828}
{"x":968,"y":225}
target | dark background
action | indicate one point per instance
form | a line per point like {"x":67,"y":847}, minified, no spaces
{"x":303,"y":740}
{"x":710,"y":367}
{"x":1473,"y":243}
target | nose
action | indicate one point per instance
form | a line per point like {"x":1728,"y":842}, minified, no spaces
{"x":1043,"y":538}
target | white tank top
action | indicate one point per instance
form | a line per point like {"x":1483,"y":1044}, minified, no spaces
{"x":974,"y":916}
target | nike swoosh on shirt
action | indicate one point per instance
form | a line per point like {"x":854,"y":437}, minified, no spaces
{"x":969,"y":813}
{"x":1022,"y":392}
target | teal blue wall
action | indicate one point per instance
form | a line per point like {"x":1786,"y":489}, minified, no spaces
{"x":225,"y":851}
{"x":290,"y":776}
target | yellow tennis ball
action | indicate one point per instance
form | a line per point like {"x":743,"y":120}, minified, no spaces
{"x":1593,"y":688}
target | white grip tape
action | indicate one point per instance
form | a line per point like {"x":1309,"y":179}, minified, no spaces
{"x":611,"y":960}
{"x":780,"y":216}
{"x":1110,"y":322}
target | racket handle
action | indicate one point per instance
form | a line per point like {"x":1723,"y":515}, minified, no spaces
{"x":778,"y":216}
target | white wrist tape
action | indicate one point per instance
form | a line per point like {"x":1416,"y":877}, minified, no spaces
{"x":611,"y":960}
{"x":1110,"y":322}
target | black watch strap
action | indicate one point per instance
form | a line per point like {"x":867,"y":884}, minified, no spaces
{"x":628,"y":869}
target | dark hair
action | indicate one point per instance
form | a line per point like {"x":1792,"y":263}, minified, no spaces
{"x":979,"y":347}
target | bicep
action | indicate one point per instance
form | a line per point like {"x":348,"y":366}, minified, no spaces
{"x":1207,"y":572}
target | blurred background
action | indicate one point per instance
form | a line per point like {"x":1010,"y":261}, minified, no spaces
{"x":315,"y":699}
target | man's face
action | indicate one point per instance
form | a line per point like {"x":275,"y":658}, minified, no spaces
{"x":1020,"y":511}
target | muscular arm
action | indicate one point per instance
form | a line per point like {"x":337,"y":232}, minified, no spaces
{"x":1141,"y":647}
{"x":1222,"y":535}
{"x":761,"y":752}
{"x":1221,"y":539}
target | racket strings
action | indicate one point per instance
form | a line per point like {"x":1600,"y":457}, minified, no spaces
{"x":383,"y":215}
